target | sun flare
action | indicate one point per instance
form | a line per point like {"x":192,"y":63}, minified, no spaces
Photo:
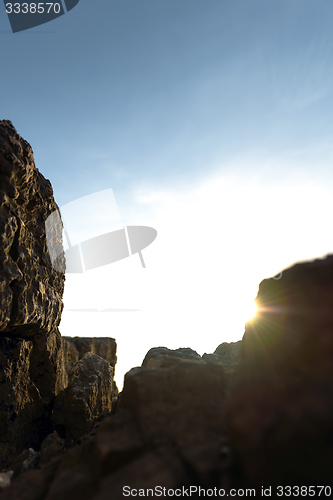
{"x":251,"y":311}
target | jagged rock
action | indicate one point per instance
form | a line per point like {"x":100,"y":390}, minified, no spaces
{"x":167,"y":430}
{"x":21,"y":405}
{"x":88,"y":394}
{"x":212,"y":358}
{"x":31,"y":289}
{"x":74,"y":348}
{"x":280,"y":408}
{"x":70,"y":358}
{"x":36,"y":365}
{"x":105,"y":347}
{"x":229,"y":353}
{"x":158,"y":355}
{"x":31,"y":299}
{"x":180,"y":404}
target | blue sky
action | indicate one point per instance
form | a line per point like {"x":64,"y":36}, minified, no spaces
{"x":211,"y":120}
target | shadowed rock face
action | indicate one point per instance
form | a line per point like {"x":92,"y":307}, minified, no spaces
{"x":105,"y":347}
{"x":88,"y":394}
{"x":31,"y":298}
{"x":167,"y":429}
{"x":31,"y":290}
{"x":280,"y":409}
{"x":36,"y":364}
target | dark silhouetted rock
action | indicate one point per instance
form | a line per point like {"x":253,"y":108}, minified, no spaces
{"x":88,"y":394}
{"x":105,"y":347}
{"x":167,"y":430}
{"x":74,"y":348}
{"x":70,"y":358}
{"x":280,"y":409}
{"x":229,"y":353}
{"x":157,"y":355}
{"x":20,"y":402}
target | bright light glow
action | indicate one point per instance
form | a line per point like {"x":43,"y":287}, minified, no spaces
{"x":250,"y":311}
{"x":203,"y":269}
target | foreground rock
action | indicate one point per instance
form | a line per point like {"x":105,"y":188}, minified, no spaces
{"x":280,"y":409}
{"x":31,"y":290}
{"x":167,"y":430}
{"x":36,"y":364}
{"x":31,"y":299}
{"x":88,"y":395}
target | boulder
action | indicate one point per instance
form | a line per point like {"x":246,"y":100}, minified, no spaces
{"x":105,"y":347}
{"x":158,"y":355}
{"x":21,"y":405}
{"x":46,"y":382}
{"x":31,"y":289}
{"x":88,"y":395}
{"x":229,"y":353}
{"x":167,"y":430}
{"x":74,"y":348}
{"x":31,"y":299}
{"x":280,"y":406}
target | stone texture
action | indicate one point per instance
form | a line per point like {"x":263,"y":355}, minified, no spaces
{"x":280,"y":408}
{"x":158,"y":355}
{"x":105,"y":347}
{"x":31,"y":290}
{"x":74,"y":348}
{"x":30,"y":378}
{"x":20,"y":402}
{"x":45,"y":381}
{"x":180,"y":404}
{"x":229,"y":353}
{"x":31,"y":299}
{"x":167,"y":429}
{"x":88,"y":394}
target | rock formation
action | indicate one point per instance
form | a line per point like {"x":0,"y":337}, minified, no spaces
{"x":31,"y":290}
{"x":255,"y":413}
{"x":31,"y":298}
{"x":280,"y":410}
{"x":36,"y":365}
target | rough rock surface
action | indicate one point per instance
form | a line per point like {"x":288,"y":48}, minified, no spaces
{"x":31,"y":298}
{"x":36,"y":365}
{"x":88,"y":394}
{"x":31,"y":290}
{"x":229,"y":353}
{"x":105,"y":347}
{"x":280,"y":408}
{"x":158,"y":355}
{"x":167,"y":429}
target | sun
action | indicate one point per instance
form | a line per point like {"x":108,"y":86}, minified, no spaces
{"x":250,"y":311}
